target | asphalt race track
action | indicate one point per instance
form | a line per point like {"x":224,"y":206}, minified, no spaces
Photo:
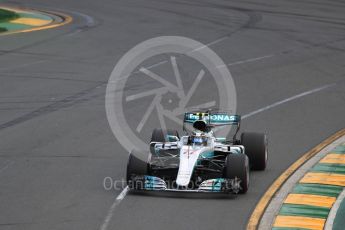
{"x":56,"y":146}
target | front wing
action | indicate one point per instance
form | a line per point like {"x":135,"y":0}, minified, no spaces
{"x":217,"y":185}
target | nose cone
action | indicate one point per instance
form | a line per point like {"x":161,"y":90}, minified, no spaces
{"x":188,"y":159}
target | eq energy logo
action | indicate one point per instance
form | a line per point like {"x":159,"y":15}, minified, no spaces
{"x":160,"y":79}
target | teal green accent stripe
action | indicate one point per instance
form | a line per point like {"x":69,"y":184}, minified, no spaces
{"x":339,"y":149}
{"x":318,"y":189}
{"x":330,"y":168}
{"x":304,"y":210}
{"x":282,"y":228}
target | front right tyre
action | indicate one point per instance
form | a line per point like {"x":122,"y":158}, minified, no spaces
{"x":135,"y":167}
{"x":237,"y":167}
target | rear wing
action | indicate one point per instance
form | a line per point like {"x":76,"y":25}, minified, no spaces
{"x":212,"y":119}
{"x":206,"y":121}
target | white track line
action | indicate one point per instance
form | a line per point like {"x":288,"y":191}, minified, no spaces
{"x":251,"y":60}
{"x":246,"y":61}
{"x":117,"y":201}
{"x":6,"y":165}
{"x":287,"y":100}
{"x":124,"y":192}
{"x":210,"y":44}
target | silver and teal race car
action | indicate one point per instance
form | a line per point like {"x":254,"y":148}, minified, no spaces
{"x":198,"y":161}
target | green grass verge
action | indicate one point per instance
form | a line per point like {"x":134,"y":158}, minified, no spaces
{"x":5,"y":16}
{"x":304,"y":210}
{"x":339,"y":221}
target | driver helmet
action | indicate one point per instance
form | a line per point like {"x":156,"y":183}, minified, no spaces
{"x":198,"y":139}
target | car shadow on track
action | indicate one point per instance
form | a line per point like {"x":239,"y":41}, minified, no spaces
{"x":189,"y":195}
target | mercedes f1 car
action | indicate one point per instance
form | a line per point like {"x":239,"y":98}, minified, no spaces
{"x":198,"y":161}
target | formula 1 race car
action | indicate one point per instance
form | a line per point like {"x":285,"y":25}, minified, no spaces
{"x":198,"y":161}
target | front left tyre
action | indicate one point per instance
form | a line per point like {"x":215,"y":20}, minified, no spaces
{"x":136,"y":166}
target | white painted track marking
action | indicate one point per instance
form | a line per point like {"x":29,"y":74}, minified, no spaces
{"x":117,"y":201}
{"x":287,"y":100}
{"x":6,"y":165}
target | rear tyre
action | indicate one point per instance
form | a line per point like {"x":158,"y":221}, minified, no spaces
{"x":160,"y":135}
{"x":136,"y":167}
{"x":237,"y":166}
{"x":255,"y":146}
